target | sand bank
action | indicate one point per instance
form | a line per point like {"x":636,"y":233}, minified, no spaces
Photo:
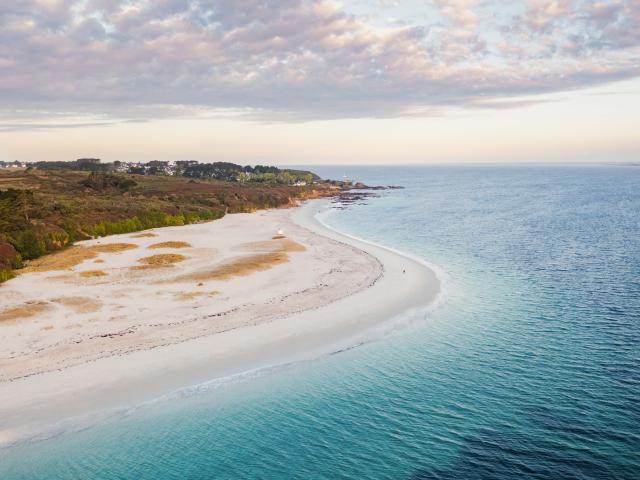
{"x":186,"y":305}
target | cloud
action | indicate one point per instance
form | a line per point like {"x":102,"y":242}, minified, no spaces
{"x":299,"y":59}
{"x":459,"y":11}
{"x":16,"y":127}
{"x":543,"y":14}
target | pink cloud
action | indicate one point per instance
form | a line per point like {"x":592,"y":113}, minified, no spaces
{"x":459,"y":11}
{"x":543,"y":13}
{"x":298,"y":58}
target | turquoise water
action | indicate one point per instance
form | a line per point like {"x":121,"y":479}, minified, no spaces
{"x":529,"y":369}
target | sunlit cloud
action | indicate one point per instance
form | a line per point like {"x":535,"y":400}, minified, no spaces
{"x":299,"y":60}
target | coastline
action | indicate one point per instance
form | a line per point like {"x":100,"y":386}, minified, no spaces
{"x":337,"y":323}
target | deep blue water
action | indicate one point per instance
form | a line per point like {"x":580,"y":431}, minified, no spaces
{"x":530,"y":368}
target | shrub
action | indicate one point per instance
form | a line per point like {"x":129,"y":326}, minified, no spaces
{"x":101,"y":181}
{"x":29,"y":244}
{"x":6,"y":275}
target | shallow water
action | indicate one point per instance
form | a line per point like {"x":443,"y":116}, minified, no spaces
{"x":530,"y":368}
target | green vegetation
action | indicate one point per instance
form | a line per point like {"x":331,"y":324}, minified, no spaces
{"x":6,"y":275}
{"x":42,"y":211}
{"x":103,"y":181}
{"x":231,"y":172}
{"x":224,"y":171}
{"x":82,"y":164}
{"x":151,"y":220}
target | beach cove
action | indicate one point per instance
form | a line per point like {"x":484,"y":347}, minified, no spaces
{"x":146,"y":314}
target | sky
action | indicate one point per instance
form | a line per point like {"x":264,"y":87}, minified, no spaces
{"x":318,"y":81}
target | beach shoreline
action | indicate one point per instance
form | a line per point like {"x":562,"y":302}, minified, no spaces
{"x":377,"y":284}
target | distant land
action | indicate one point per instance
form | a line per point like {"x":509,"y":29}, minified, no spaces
{"x":46,"y":206}
{"x":226,"y":171}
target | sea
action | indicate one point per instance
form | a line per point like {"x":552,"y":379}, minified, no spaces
{"x":527,"y":368}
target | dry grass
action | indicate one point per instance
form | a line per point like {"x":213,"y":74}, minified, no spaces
{"x":72,"y":256}
{"x":186,"y":296}
{"x":170,"y":245}
{"x":144,"y":235}
{"x":93,"y":273}
{"x":113,"y":247}
{"x":163,"y":259}
{"x":266,"y":255}
{"x":286,"y":245}
{"x":26,"y":310}
{"x":62,"y":278}
{"x":79,"y":304}
{"x":62,"y":260}
{"x":277,"y":245}
{"x":238,"y":267}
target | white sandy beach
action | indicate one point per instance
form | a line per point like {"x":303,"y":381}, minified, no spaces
{"x":113,"y":332}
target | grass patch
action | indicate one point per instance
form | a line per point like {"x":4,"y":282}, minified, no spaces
{"x":93,"y":273}
{"x":277,"y":245}
{"x":72,"y":256}
{"x":163,"y":259}
{"x":79,"y":304}
{"x":238,"y":267}
{"x":62,"y":260}
{"x":144,"y":235}
{"x":24,"y":311}
{"x":186,"y":296}
{"x":170,"y":245}
{"x":113,"y":247}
